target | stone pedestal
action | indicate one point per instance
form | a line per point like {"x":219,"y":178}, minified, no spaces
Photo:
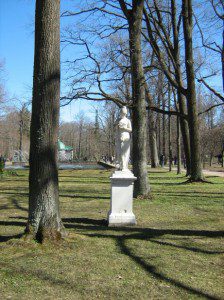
{"x":121,"y":201}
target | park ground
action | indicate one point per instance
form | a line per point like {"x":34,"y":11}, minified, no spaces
{"x":176,"y":250}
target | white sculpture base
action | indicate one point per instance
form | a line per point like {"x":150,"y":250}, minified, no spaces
{"x":121,"y":201}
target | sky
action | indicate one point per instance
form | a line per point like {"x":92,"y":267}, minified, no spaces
{"x":17,"y":54}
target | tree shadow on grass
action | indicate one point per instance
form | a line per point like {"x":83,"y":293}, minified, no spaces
{"x":167,"y":177}
{"x":18,"y":218}
{"x":6,"y":238}
{"x":99,"y":222}
{"x":151,"y":269}
{"x":193,"y":249}
{"x":190,"y":192}
{"x":140,"y":233}
{"x":14,"y":269}
{"x":5,"y":206}
{"x":85,"y":197}
{"x":128,"y":233}
{"x":12,"y":223}
{"x":17,"y":189}
{"x":195,"y":195}
{"x":148,"y":234}
{"x":170,"y":183}
{"x":84,"y":181}
{"x":14,"y":193}
{"x":18,"y":206}
{"x":158,"y":172}
{"x":17,"y":179}
{"x":83,"y":177}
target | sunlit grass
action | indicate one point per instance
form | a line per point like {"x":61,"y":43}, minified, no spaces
{"x":175,"y":251}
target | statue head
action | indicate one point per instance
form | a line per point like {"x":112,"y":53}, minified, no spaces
{"x":124,"y":111}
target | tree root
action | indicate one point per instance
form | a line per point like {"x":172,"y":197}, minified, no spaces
{"x":44,"y":234}
{"x":190,"y":180}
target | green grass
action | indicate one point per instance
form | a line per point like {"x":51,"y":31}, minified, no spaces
{"x":174,"y":252}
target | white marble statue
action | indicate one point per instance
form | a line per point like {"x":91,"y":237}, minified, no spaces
{"x":122,"y":180}
{"x":123,"y":139}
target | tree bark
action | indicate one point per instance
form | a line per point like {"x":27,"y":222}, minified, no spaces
{"x":153,"y":141}
{"x":169,"y":131}
{"x":222,"y":163}
{"x":196,"y":169}
{"x":185,"y":133}
{"x":180,"y":96}
{"x":158,"y":121}
{"x":20,"y":136}
{"x":44,"y":221}
{"x":152,"y":133}
{"x":178,"y":147}
{"x":139,"y":157}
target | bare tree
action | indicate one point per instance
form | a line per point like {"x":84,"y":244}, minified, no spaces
{"x":134,"y":18}
{"x":167,"y":51}
{"x":2,"y":88}
{"x":196,"y":168}
{"x":214,"y":16}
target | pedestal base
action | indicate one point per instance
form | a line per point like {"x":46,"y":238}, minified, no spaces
{"x":120,"y":213}
{"x":122,"y":219}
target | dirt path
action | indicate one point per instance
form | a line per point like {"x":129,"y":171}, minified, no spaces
{"x":213,"y":173}
{"x":205,"y":172}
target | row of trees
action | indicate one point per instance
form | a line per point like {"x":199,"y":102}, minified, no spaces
{"x":92,"y":139}
{"x":140,"y":41}
{"x":15,"y":131}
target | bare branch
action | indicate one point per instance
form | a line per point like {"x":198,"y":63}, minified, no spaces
{"x":211,"y":89}
{"x":210,"y":108}
{"x":167,"y":112}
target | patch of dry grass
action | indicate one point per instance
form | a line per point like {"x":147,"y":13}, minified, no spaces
{"x":174,"y":252}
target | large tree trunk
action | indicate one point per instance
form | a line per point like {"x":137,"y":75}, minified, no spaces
{"x":196,"y":169}
{"x":180,"y":96}
{"x":44,"y":220}
{"x":139,"y":156}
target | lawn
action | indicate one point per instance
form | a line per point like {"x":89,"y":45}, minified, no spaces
{"x":175,"y":251}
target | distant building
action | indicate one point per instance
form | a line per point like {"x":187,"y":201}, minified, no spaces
{"x":65,"y":153}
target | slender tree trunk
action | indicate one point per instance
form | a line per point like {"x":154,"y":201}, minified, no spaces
{"x":210,"y":159}
{"x":222,"y":163}
{"x":169,"y":132}
{"x":196,"y":169}
{"x":164,"y":129}
{"x":185,"y":133}
{"x":139,"y":157}
{"x":178,"y":147}
{"x":222,"y":57}
{"x":159,"y":128}
{"x":20,"y":137}
{"x":80,"y":141}
{"x":153,"y":142}
{"x":152,"y":133}
{"x":162,"y":101}
{"x":44,"y":222}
